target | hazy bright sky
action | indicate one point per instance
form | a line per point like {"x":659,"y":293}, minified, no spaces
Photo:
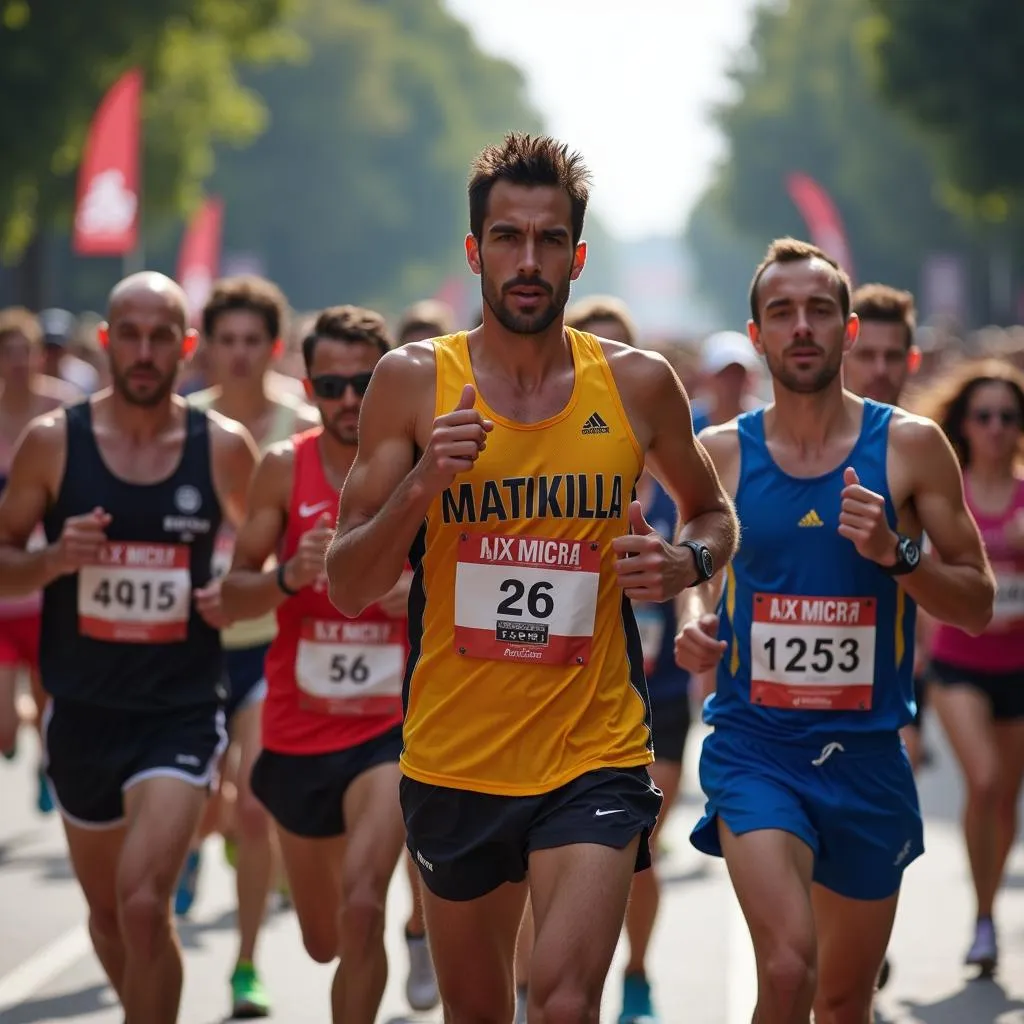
{"x":630,"y":84}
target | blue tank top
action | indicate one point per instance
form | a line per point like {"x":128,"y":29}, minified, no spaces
{"x":666,"y":682}
{"x":820,"y":640}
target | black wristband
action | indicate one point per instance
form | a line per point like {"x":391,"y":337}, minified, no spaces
{"x":281,"y":581}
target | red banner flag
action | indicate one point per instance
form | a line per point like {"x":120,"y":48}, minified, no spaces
{"x":822,"y":218}
{"x":199,"y":258}
{"x":107,"y":209}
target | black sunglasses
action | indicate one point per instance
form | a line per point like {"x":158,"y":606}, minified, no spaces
{"x":1006,"y":417}
{"x":332,"y":386}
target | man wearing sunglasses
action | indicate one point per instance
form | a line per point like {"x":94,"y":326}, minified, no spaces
{"x":332,"y":718}
{"x":242,"y":324}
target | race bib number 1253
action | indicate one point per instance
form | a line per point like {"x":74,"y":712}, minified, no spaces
{"x":812,"y":653}
{"x":527,"y":599}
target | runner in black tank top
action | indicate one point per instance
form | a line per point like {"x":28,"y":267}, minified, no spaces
{"x":103,"y":628}
{"x":130,"y":487}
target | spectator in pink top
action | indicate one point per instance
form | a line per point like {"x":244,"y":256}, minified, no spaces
{"x":979,"y":691}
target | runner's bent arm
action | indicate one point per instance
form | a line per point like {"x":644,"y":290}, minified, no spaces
{"x":248,"y":590}
{"x":384,"y":501}
{"x":957,"y":586}
{"x":721,"y":443}
{"x":37,"y":459}
{"x":659,"y":410}
{"x":234,"y":459}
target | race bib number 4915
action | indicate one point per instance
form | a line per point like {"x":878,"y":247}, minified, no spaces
{"x":812,"y":653}
{"x":136,"y":593}
{"x":526,"y":599}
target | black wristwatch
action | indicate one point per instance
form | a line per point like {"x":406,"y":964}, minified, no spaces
{"x":702,"y":556}
{"x":908,"y":556}
{"x":281,"y":581}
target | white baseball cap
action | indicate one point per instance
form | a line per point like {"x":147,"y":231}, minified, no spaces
{"x":727,"y":348}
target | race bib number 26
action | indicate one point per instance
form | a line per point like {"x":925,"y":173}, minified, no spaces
{"x":527,"y":599}
{"x":812,"y":653}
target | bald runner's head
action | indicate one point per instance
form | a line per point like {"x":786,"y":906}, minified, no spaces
{"x":147,"y":337}
{"x":150,"y":289}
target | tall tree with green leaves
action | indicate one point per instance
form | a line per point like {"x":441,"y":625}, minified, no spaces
{"x":805,"y":102}
{"x":955,"y":68}
{"x":58,"y":58}
{"x":356,"y":191}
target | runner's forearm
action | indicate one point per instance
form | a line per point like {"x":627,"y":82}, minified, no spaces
{"x":694,"y":602}
{"x":246,"y":594}
{"x":25,"y":572}
{"x":961,"y":595}
{"x":366,"y":561}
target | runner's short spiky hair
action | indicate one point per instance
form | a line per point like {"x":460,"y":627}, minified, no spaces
{"x":351,"y":324}
{"x":529,"y":160}
{"x":792,"y":250}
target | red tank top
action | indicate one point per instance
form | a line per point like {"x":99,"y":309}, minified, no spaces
{"x":333,"y":682}
{"x":1001,"y":647}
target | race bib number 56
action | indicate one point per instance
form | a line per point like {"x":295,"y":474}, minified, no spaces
{"x":136,"y":593}
{"x":812,"y":653}
{"x":526,"y":599}
{"x":351,"y":668}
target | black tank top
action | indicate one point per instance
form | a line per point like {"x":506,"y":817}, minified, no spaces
{"x":125,"y":633}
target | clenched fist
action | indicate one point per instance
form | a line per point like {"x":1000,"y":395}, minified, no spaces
{"x":698,"y":648}
{"x":80,"y":541}
{"x":307,"y":564}
{"x":456,"y":441}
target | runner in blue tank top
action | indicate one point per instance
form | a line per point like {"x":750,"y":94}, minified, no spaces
{"x":810,"y":796}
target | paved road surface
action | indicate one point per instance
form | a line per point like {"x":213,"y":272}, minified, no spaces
{"x":701,"y":962}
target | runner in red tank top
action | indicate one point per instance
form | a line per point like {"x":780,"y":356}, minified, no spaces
{"x":332,"y":719}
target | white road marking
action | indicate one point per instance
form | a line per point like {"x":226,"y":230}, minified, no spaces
{"x":53,"y":959}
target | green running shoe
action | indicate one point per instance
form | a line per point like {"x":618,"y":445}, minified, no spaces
{"x":248,"y":997}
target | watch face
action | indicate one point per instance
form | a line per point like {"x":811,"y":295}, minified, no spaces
{"x":911,"y":552}
{"x":708,"y":563}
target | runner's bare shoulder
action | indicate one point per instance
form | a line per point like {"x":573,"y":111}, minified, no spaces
{"x":403,"y":386}
{"x":58,"y":392}
{"x":42,"y":448}
{"x":916,"y":437}
{"x":227,"y":433}
{"x":722,"y":443}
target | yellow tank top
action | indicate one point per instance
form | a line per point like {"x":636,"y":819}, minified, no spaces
{"x":526,"y":668}
{"x":249,"y":632}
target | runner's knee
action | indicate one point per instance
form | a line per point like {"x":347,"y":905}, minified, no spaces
{"x":361,"y":918}
{"x":320,"y":940}
{"x":852,"y":1008}
{"x":789,"y":973}
{"x":103,"y":924}
{"x":251,"y":817}
{"x":145,"y":918}
{"x":567,"y":1003}
{"x":983,"y":784}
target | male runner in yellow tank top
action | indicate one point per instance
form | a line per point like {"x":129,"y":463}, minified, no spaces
{"x":509,"y":456}
{"x":243,"y":321}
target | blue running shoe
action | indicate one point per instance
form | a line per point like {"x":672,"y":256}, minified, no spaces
{"x":44,"y":798}
{"x":187,"y":883}
{"x":636,"y":1001}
